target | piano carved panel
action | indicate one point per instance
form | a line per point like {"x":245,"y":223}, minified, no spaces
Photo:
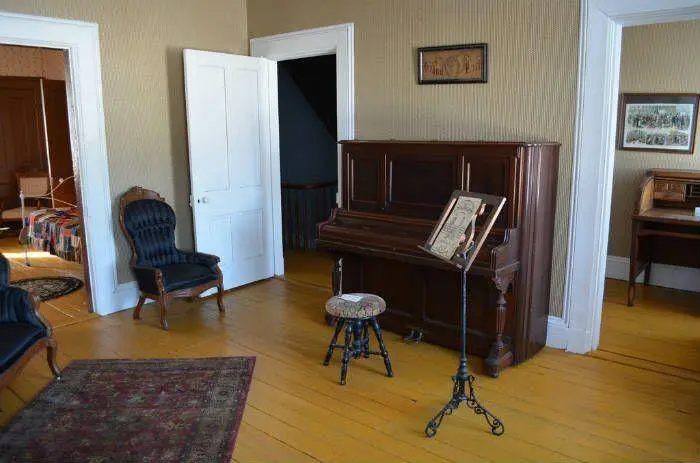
{"x":393,"y":193}
{"x":440,"y":174}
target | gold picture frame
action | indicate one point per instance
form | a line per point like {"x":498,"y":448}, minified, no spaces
{"x":453,"y":64}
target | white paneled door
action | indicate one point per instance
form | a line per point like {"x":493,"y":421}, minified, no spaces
{"x":232,"y":129}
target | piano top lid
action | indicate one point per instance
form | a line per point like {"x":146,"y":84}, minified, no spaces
{"x":451,"y":142}
{"x":675,"y":174}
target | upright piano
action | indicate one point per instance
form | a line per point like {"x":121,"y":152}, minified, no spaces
{"x":665,"y":228}
{"x":393,"y":193}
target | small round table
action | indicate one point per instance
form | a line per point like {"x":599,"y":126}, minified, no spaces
{"x":356,"y":313}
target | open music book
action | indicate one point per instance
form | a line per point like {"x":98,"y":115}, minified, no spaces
{"x":455,"y":231}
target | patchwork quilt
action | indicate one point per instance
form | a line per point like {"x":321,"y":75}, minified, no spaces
{"x":56,"y":231}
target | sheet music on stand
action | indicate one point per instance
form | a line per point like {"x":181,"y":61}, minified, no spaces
{"x":457,"y":239}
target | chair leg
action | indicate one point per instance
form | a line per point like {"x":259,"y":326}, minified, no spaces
{"x":346,"y":354}
{"x":164,"y":301}
{"x":334,"y":340}
{"x":220,"y":291}
{"x":220,"y":297}
{"x":139,"y":306}
{"x":51,"y":357}
{"x":382,"y":347}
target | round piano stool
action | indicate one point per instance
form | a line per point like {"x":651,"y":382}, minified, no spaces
{"x":356,"y":314}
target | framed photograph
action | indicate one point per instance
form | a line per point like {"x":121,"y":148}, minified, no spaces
{"x":453,"y":64}
{"x":659,"y":122}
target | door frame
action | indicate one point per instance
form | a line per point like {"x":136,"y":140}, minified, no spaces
{"x":600,"y":43}
{"x":80,"y":40}
{"x":338,"y":40}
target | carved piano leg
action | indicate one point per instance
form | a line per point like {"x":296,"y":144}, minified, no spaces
{"x":499,"y":356}
{"x":337,"y":288}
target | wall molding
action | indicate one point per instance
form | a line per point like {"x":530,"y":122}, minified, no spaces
{"x":87,"y":130}
{"x":557,"y":332}
{"x":594,"y":147}
{"x":667,"y":276}
{"x":338,"y":40}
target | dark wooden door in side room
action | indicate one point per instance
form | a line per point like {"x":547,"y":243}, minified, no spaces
{"x":22,"y":145}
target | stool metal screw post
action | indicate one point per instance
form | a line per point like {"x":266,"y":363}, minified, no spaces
{"x":464,"y":382}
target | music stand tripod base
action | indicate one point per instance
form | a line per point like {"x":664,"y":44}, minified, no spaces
{"x":463,"y":391}
{"x":463,"y":258}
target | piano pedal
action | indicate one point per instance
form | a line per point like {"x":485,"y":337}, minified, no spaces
{"x":415,"y":336}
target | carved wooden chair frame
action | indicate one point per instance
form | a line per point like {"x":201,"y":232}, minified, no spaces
{"x":48,"y":342}
{"x":137,"y":193}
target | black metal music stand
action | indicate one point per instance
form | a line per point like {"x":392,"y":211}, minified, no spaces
{"x":463,"y":391}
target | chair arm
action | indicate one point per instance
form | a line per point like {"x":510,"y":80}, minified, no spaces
{"x":19,"y":306}
{"x":149,"y":279}
{"x":201,"y":258}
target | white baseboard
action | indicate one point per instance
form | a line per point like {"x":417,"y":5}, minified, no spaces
{"x":668,"y":276}
{"x":557,"y":333}
{"x":125,"y":297}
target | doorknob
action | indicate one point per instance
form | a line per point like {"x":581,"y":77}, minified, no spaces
{"x":204,"y":200}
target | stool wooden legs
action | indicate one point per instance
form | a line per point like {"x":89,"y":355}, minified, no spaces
{"x":356,"y":344}
{"x":346,"y":354}
{"x":333,"y":344}
{"x":382,"y":347}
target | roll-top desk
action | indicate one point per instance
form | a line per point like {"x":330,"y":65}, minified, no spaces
{"x":665,"y":228}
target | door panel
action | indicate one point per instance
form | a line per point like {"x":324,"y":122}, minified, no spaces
{"x":22,"y":146}
{"x":228,"y":121}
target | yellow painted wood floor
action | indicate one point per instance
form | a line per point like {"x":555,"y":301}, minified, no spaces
{"x":556,"y":407}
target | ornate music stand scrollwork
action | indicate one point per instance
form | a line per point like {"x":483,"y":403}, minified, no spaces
{"x":453,"y":240}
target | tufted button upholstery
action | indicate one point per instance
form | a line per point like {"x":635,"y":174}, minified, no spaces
{"x":15,"y":339}
{"x":347,"y":305}
{"x":151,"y":224}
{"x":16,"y":307}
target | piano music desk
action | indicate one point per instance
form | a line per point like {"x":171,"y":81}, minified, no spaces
{"x":664,"y":227}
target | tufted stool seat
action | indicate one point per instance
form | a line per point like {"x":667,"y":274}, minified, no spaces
{"x":355,"y":305}
{"x":356,"y":313}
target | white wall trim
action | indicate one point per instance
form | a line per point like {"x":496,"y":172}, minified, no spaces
{"x":557,"y":332}
{"x":592,"y":166}
{"x":87,"y":129}
{"x":667,"y":276}
{"x":338,"y":40}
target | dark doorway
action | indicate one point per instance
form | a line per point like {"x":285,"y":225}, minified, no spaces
{"x":308,"y":159}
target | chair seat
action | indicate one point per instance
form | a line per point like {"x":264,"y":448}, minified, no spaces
{"x":15,"y":339}
{"x":355,"y":305}
{"x":178,"y":276}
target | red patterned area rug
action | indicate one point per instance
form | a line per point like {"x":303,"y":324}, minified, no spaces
{"x":156,"y":410}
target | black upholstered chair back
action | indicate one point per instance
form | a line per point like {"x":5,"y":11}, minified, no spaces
{"x":151,"y":225}
{"x":4,"y":270}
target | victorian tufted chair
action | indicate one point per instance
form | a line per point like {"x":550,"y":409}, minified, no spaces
{"x":23,"y":332}
{"x":162,"y":271}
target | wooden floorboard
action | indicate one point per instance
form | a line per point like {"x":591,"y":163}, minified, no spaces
{"x":557,"y":407}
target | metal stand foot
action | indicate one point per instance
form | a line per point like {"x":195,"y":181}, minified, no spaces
{"x":459,"y":395}
{"x":463,"y":379}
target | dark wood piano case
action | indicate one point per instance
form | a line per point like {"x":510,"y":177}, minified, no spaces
{"x":393,"y":192}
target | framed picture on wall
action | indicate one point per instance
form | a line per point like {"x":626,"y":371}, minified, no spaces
{"x":453,"y":64}
{"x":659,"y":122}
